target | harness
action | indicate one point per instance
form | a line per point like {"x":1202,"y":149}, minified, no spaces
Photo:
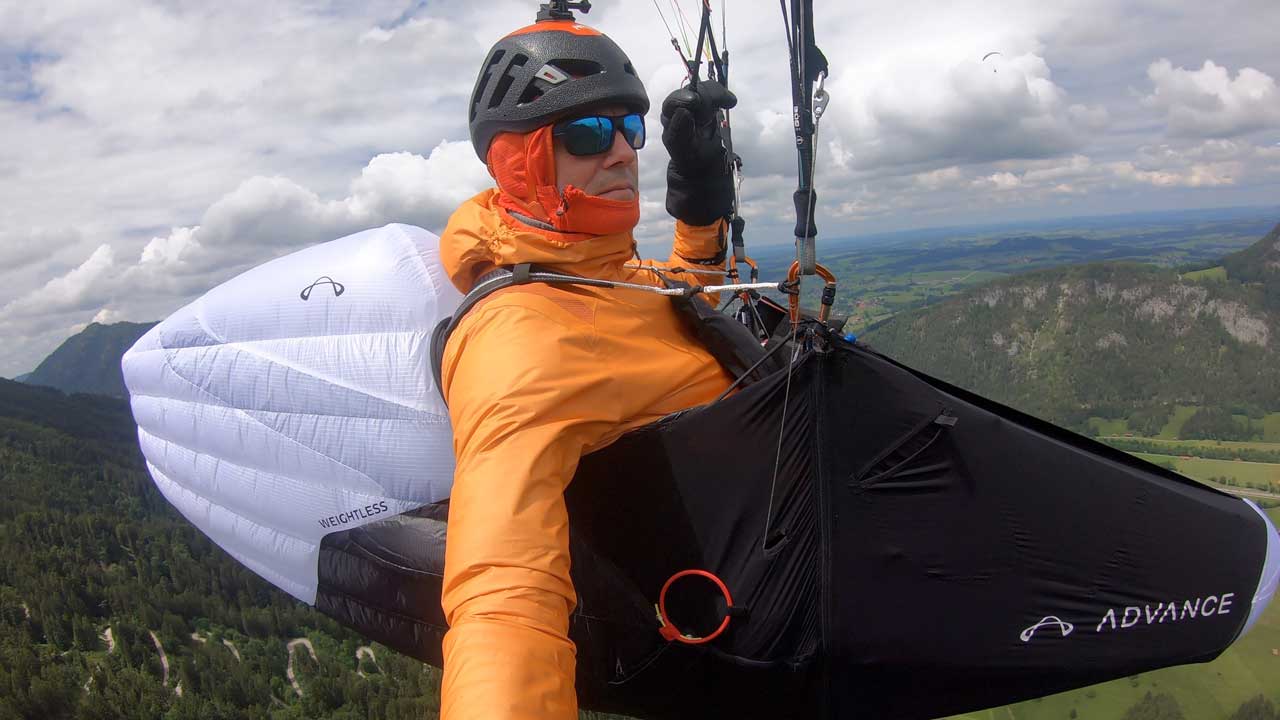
{"x":735,"y":347}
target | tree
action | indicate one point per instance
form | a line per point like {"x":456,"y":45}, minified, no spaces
{"x":1214,"y":423}
{"x":1256,"y":708}
{"x":1161,"y":706}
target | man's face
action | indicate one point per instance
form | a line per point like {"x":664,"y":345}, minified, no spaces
{"x":613,"y":174}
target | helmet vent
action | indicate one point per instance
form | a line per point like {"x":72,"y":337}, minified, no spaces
{"x":531,"y":93}
{"x":576,"y":68}
{"x":494,"y":59}
{"x":629,"y":69}
{"x":504,"y":83}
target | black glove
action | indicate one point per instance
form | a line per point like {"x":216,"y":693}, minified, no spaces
{"x":699,"y":176}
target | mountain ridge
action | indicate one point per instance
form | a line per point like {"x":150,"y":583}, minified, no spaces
{"x":1104,"y":338}
{"x":89,"y":361}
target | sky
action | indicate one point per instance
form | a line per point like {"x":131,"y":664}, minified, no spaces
{"x":152,"y":150}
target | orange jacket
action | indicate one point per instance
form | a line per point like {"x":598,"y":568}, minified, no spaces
{"x":537,"y":376}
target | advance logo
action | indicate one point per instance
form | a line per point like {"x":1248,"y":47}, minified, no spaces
{"x":338,"y":288}
{"x":1173,"y":611}
{"x":1115,"y":619}
{"x":1050,"y":621}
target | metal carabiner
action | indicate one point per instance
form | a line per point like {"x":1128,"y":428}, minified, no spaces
{"x":828,"y":292}
{"x":820,"y":98}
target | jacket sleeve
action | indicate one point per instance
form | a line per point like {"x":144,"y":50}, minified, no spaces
{"x":699,"y":247}
{"x":524,"y":401}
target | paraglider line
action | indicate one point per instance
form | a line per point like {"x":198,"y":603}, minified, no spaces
{"x":749,"y":305}
{"x":782,"y":427}
{"x":724,"y":30}
{"x":747,"y":374}
{"x":675,"y":44}
{"x":658,"y":7}
{"x":786,"y":25}
{"x":673,"y":270}
{"x":680,"y":23}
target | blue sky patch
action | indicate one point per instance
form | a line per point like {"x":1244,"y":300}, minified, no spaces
{"x":17,"y":69}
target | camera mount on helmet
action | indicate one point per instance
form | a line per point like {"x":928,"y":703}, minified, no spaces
{"x":562,"y":9}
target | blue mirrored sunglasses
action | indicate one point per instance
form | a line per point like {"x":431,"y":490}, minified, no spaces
{"x":593,"y":134}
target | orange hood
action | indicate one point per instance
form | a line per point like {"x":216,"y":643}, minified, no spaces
{"x":524,"y":167}
{"x":482,"y":235}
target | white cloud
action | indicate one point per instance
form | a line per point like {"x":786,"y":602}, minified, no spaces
{"x":78,"y":289}
{"x":1194,"y":176}
{"x":171,"y":250}
{"x":265,"y":216}
{"x":1211,"y":163}
{"x":423,"y":191}
{"x":999,"y":181}
{"x":969,"y":114}
{"x":1035,"y":183}
{"x":948,"y":177}
{"x":51,"y":312}
{"x":262,"y":218}
{"x":1210,"y":103}
{"x":194,"y":140}
{"x":106,"y":316}
{"x":22,"y":248}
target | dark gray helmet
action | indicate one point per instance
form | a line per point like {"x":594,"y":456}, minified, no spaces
{"x":545,"y":72}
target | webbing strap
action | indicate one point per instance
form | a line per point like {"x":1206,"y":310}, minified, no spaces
{"x":486,"y":285}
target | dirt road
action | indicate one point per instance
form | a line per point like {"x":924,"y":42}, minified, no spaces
{"x":293,"y":680}
{"x":360,"y":653}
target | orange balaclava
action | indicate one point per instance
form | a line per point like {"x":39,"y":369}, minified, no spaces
{"x":524,"y":165}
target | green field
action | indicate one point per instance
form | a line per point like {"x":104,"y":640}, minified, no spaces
{"x":1213,"y":274}
{"x":869,"y":294}
{"x":1170,"y":431}
{"x":1271,"y":428}
{"x":1218,"y":444}
{"x":1246,"y":473}
{"x":1181,"y":414}
{"x":1268,"y":428}
{"x":1103,"y":427}
{"x":1211,"y":691}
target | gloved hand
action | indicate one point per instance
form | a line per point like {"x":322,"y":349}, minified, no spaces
{"x":699,"y":177}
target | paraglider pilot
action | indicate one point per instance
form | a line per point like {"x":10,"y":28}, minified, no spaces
{"x":537,"y":375}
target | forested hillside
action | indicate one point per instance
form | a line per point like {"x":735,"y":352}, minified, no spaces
{"x":98,"y":574}
{"x":1112,"y":340}
{"x":1259,"y":264}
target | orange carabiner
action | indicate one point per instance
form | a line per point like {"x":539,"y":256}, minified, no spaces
{"x":828,"y":292}
{"x":668,"y":629}
{"x":733,"y":275}
{"x":755,"y":269}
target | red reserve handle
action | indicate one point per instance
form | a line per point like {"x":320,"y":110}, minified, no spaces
{"x":668,"y":629}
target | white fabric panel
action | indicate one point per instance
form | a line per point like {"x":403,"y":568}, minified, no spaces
{"x":1269,"y":580}
{"x":297,"y":399}
{"x":283,"y":560}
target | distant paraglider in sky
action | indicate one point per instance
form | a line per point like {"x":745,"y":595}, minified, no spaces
{"x":993,"y":52}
